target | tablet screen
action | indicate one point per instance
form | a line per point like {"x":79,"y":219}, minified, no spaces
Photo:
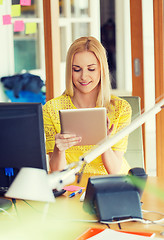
{"x":89,"y":123}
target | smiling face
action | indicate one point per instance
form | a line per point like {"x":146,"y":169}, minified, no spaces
{"x":85,"y":72}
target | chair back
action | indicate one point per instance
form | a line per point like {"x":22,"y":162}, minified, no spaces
{"x":134,"y":154}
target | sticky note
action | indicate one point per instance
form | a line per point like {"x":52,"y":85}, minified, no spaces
{"x":25,"y":2}
{"x":30,"y":28}
{"x":1,"y":2}
{"x":6,"y":19}
{"x":19,"y":26}
{"x":72,"y":188}
{"x":15,"y":10}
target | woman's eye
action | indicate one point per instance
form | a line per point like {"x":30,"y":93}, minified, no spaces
{"x":76,"y":70}
{"x":91,"y":69}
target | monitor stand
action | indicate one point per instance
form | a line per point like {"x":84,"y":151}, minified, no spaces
{"x":5,"y":204}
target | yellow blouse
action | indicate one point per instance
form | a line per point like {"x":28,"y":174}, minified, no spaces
{"x":119,"y":115}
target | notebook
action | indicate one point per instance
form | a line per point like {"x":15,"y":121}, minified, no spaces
{"x":89,"y":123}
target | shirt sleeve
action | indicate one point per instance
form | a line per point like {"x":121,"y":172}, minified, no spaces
{"x":49,"y":129}
{"x":125,"y":113}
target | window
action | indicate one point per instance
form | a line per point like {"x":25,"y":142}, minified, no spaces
{"x":22,"y":39}
{"x":77,"y":18}
{"x":29,"y":48}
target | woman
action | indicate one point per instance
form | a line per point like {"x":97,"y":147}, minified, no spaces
{"x":87,"y":86}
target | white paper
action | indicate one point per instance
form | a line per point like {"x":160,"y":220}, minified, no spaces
{"x":114,"y":235}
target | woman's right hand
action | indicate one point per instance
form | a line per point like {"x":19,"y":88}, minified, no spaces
{"x":65,"y":141}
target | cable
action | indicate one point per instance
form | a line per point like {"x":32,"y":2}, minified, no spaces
{"x":39,"y":211}
{"x":3,"y":210}
{"x":128,"y":220}
{"x":107,"y":225}
{"x":119,"y":225}
{"x":14,"y":203}
{"x":147,"y":211}
{"x":155,"y":221}
{"x":145,"y":221}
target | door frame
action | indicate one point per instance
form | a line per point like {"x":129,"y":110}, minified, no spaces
{"x":137,"y":56}
{"x":138,"y":83}
{"x":52,"y":47}
{"x":158,"y":7}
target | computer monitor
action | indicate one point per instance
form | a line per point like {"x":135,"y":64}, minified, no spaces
{"x":21,"y":140}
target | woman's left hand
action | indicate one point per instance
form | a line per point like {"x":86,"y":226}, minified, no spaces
{"x":111,"y":159}
{"x":109,"y":130}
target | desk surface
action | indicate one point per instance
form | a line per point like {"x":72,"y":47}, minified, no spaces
{"x":65,"y":219}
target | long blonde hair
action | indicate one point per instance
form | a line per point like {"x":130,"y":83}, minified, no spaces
{"x":93,"y":45}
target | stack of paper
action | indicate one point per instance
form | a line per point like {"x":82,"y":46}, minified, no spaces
{"x":106,"y":234}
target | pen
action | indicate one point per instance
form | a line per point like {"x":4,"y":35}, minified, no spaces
{"x":74,"y":193}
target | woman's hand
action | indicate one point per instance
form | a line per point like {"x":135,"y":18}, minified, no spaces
{"x":62,"y":143}
{"x":112,"y":160}
{"x":109,"y":130}
{"x":65,"y":141}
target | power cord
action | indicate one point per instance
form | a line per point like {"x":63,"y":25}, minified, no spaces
{"x":3,"y":210}
{"x":156,"y":212}
{"x":127,"y":220}
{"x":14,"y":203}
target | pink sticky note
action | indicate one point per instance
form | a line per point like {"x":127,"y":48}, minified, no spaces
{"x":72,"y":188}
{"x":6,"y":19}
{"x":25,"y":2}
{"x":19,"y":26}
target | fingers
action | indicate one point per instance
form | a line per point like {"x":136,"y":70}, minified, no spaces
{"x":65,"y":141}
{"x":109,"y":130}
{"x":108,"y":122}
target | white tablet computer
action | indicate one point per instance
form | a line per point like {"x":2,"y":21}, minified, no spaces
{"x":89,"y":123}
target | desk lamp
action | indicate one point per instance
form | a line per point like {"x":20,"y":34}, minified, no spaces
{"x":31,"y":184}
{"x":109,"y":142}
{"x":57,"y":180}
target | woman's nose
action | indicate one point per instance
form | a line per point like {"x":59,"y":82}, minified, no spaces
{"x":84,"y":74}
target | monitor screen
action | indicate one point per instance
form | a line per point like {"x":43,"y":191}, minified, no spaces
{"x":21,"y":139}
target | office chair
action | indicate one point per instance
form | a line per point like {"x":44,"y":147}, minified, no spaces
{"x":134,"y":154}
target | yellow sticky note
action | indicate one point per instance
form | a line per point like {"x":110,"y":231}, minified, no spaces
{"x":1,"y":2}
{"x":30,"y":28}
{"x":15,"y":10}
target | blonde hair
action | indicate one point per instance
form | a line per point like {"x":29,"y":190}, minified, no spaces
{"x":90,"y":44}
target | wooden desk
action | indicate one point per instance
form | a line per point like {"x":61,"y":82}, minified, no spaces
{"x":62,"y":219}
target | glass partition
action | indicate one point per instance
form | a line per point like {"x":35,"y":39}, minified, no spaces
{"x":79,"y":8}
{"x":29,"y":45}
{"x":77,"y":18}
{"x":80,"y":29}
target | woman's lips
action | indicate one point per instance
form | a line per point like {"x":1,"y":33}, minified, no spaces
{"x":85,"y":83}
